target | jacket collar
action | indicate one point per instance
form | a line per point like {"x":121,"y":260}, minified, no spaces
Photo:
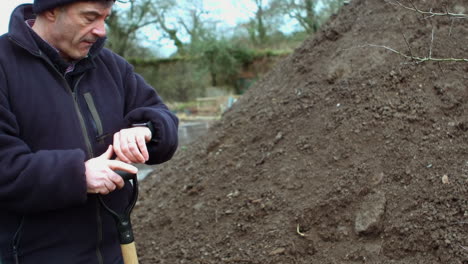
{"x":21,"y":34}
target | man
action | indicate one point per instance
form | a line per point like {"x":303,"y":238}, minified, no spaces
{"x":71,"y":113}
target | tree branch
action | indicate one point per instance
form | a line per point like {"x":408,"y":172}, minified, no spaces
{"x":416,"y":58}
{"x":429,"y":13}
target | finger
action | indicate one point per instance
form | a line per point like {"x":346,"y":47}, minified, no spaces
{"x":143,"y":149}
{"x":94,"y":183}
{"x":118,"y":148}
{"x":135,"y":151}
{"x":99,"y":190}
{"x":148,"y":135}
{"x":117,"y":180}
{"x":110,"y":186}
{"x":103,"y":191}
{"x":108,"y":154}
{"x":127,"y":146}
{"x":119,"y":165}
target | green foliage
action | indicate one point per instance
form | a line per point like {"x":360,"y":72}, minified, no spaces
{"x":217,"y":58}
{"x":174,"y":80}
{"x":183,"y":79}
{"x":180,"y":107}
{"x":209,"y":57}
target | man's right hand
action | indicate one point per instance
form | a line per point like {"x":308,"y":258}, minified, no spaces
{"x":100,"y":175}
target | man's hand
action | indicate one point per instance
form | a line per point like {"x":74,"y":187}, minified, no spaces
{"x":100,"y":175}
{"x":130,"y":144}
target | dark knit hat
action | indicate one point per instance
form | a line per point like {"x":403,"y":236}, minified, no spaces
{"x":40,"y":6}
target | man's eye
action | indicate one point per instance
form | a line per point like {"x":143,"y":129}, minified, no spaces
{"x":90,"y":19}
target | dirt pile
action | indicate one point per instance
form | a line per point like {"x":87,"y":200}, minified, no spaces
{"x":344,"y":153}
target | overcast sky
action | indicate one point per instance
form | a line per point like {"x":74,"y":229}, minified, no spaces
{"x":230,"y":12}
{"x":5,"y":12}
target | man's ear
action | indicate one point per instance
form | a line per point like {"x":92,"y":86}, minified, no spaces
{"x":52,"y":14}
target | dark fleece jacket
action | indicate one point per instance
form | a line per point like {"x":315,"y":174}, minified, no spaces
{"x":48,"y":129}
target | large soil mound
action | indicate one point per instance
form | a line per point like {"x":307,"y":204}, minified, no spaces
{"x":345,"y":153}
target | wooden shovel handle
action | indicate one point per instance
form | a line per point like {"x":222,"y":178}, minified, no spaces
{"x":129,"y":253}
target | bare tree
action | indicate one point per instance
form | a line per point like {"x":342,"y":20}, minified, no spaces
{"x":259,"y":22}
{"x":160,"y":9}
{"x":180,"y":20}
{"x":123,"y":25}
{"x":309,"y":14}
{"x":194,"y":23}
{"x":264,"y":22}
{"x":331,"y":7}
{"x":302,"y":11}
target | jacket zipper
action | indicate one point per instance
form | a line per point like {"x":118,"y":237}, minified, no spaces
{"x":16,"y":239}
{"x":84,"y":131}
{"x":99,"y":233}
{"x":88,"y":144}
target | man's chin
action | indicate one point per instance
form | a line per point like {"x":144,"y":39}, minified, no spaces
{"x":81,"y":57}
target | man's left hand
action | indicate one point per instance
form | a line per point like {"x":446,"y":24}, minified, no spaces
{"x":130,"y":144}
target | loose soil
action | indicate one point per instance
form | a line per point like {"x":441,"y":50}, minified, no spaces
{"x":344,"y":153}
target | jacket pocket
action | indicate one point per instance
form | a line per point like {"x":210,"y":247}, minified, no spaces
{"x":96,"y":120}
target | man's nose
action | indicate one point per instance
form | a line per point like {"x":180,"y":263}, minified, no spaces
{"x":100,"y":29}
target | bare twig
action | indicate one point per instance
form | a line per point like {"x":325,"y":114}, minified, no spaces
{"x":414,"y":7}
{"x":465,"y":248}
{"x":451,"y":27}
{"x":432,"y":42}
{"x":460,"y":222}
{"x":428,"y":13}
{"x":408,"y":45}
{"x":298,"y":230}
{"x":416,"y":58}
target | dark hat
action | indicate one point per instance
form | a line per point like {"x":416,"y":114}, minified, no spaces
{"x":40,"y":6}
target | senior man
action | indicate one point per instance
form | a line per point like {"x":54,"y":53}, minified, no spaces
{"x":68,"y":107}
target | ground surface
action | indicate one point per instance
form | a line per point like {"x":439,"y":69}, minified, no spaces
{"x":341,"y":154}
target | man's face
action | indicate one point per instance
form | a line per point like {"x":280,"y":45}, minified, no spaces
{"x":78,"y":26}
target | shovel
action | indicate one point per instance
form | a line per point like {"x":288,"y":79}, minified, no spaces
{"x":124,"y":225}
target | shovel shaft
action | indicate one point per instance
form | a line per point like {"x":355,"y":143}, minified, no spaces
{"x":124,"y":226}
{"x":129,"y":253}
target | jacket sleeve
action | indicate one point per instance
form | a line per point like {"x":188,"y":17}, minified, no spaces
{"x":35,"y":181}
{"x":143,"y":104}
